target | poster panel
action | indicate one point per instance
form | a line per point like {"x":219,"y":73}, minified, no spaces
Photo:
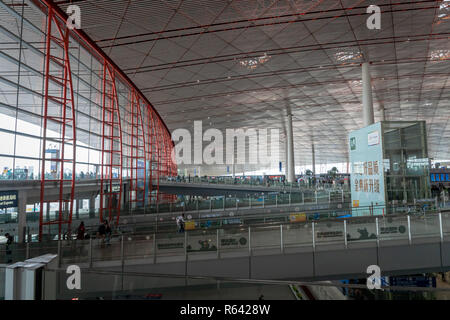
{"x":367,"y":174}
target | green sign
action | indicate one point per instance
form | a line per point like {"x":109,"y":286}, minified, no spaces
{"x":352,"y":143}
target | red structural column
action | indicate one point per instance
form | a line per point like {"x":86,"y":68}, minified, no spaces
{"x":110,"y":121}
{"x":150,"y":151}
{"x":58,"y":114}
{"x":111,"y":138}
{"x":138,"y":152}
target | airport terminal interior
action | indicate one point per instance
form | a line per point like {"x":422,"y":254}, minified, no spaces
{"x":224,"y":149}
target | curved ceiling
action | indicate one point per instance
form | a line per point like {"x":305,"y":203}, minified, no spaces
{"x":242,"y":63}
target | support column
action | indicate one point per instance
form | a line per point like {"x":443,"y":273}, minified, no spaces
{"x":290,"y":150}
{"x":286,"y":157}
{"x":47,"y":212}
{"x":92,"y":207}
{"x":368,"y":117}
{"x":234,"y":169}
{"x":313,"y":161}
{"x":22,"y":215}
{"x":382,"y":114}
{"x":77,"y":209}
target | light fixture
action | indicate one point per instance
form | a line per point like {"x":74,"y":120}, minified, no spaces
{"x":348,"y":56}
{"x":253,"y":63}
{"x":440,"y":55}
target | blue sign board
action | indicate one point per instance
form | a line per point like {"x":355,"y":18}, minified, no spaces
{"x":8,"y":199}
{"x":442,"y":177}
{"x":418,"y":281}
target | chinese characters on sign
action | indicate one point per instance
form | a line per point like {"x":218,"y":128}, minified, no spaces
{"x":8,"y":199}
{"x":371,"y":184}
{"x":367,"y":173}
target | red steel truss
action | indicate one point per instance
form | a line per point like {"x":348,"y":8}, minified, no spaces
{"x":138,"y":155}
{"x":112,"y":160}
{"x":153,"y":157}
{"x":58,"y":126}
{"x":160,"y":157}
{"x":150,"y":142}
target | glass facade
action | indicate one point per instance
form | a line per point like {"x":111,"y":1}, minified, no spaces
{"x":406,"y":166}
{"x":68,"y":114}
{"x":22,"y":95}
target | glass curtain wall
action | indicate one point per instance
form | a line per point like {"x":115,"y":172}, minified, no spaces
{"x":406,"y":161}
{"x":22,"y":77}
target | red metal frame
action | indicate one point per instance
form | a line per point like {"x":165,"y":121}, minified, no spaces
{"x":160,"y":153}
{"x":150,"y":152}
{"x":138,"y":153}
{"x":61,"y":78}
{"x":150,"y":141}
{"x":111,"y":148}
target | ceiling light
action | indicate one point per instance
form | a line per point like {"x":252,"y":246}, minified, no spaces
{"x":253,"y":63}
{"x":440,"y":54}
{"x":355,"y":83}
{"x":349,"y":55}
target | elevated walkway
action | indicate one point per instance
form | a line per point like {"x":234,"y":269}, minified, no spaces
{"x":216,"y":188}
{"x":288,"y":251}
{"x":87,"y":188}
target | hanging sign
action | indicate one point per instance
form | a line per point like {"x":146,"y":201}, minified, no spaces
{"x":8,"y":199}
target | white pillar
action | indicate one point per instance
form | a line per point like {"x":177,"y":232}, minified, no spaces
{"x":368,"y":117}
{"x":22,"y":215}
{"x":313,"y":160}
{"x":286,"y":156}
{"x":290,"y":150}
{"x":92,"y":207}
{"x":382,"y":114}
{"x":234,"y":168}
{"x":79,"y":203}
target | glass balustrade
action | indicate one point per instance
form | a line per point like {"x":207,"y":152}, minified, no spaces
{"x":329,"y":232}
{"x":393,"y":228}
{"x":267,"y":231}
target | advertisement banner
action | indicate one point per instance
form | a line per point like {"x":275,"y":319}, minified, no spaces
{"x":367,"y":173}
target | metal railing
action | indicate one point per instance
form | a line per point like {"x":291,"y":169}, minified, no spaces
{"x":241,"y":239}
{"x":219,"y":203}
{"x":256,"y":182}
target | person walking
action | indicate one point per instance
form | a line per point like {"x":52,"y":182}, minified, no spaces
{"x":81,"y":231}
{"x":180,"y":223}
{"x":9,"y":241}
{"x":108,"y":233}
{"x":101,"y":233}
